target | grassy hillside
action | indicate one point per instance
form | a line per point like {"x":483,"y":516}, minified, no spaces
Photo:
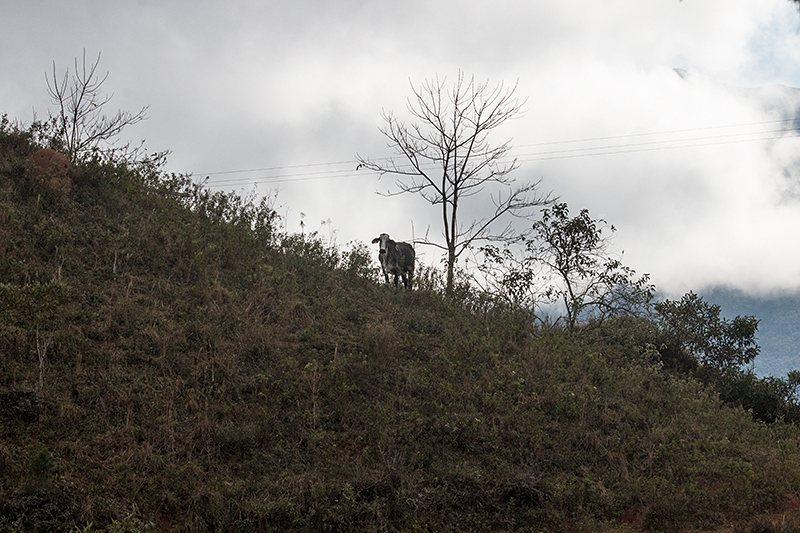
{"x":170,"y":362}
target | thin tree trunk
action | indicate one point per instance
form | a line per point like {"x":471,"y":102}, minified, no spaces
{"x":451,"y":260}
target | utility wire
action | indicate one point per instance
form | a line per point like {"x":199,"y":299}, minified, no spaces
{"x":668,"y":132}
{"x":276,"y":174}
{"x":307,"y":165}
{"x":657,"y":145}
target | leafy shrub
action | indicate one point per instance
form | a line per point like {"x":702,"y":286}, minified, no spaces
{"x":565,"y":261}
{"x":694,"y":339}
{"x":695,"y":327}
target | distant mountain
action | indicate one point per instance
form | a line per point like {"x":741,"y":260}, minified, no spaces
{"x":778,"y":331}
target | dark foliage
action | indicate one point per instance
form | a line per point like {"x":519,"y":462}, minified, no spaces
{"x":694,"y":340}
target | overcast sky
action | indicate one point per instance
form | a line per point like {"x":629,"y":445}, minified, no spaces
{"x":700,"y":176}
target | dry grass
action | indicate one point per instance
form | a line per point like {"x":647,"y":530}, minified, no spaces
{"x":207,"y":377}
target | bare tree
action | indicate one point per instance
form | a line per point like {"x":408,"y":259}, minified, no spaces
{"x":80,"y":123}
{"x":446,"y":158}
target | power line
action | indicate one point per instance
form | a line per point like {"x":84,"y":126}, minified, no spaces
{"x":286,"y":167}
{"x":655,"y":145}
{"x":277,"y":176}
{"x":668,"y":132}
{"x":532,"y":157}
{"x":279,"y":179}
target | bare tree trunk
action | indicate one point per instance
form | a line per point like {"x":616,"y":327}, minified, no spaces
{"x":447,"y":157}
{"x":451,"y":260}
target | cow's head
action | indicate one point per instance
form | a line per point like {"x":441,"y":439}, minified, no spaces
{"x":383,"y":240}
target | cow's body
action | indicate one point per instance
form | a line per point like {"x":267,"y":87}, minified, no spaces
{"x":397,"y":258}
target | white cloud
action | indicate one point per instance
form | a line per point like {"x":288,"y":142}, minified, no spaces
{"x":695,"y":216}
{"x":249,"y":84}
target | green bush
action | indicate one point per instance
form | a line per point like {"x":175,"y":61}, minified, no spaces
{"x":694,"y":340}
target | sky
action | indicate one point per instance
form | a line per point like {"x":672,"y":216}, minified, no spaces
{"x":672,"y":120}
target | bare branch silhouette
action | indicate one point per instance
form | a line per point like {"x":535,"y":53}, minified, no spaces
{"x":80,"y":123}
{"x":445,"y":157}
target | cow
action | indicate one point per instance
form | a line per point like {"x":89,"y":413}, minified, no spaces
{"x":397,"y":258}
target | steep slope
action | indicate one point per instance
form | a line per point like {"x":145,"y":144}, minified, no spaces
{"x":166,"y":356}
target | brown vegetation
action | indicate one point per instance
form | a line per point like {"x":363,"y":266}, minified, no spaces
{"x":207,"y":373}
{"x":50,"y":168}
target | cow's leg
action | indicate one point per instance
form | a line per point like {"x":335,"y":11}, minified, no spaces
{"x":405,"y":280}
{"x":395,"y":279}
{"x":386,"y":276}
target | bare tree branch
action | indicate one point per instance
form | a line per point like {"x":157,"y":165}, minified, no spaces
{"x":446,"y":157}
{"x":80,"y":123}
